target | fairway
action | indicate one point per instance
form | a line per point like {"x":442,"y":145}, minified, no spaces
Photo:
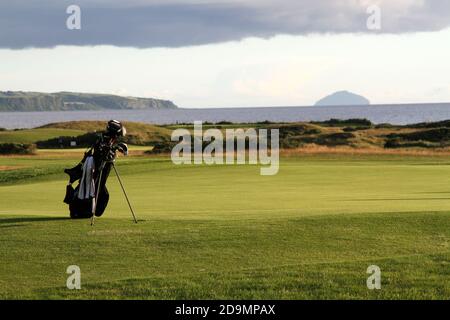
{"x":227,"y":232}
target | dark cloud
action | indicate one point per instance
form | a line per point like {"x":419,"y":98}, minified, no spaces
{"x":182,"y":23}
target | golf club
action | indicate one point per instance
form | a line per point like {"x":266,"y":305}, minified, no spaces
{"x":94,"y":206}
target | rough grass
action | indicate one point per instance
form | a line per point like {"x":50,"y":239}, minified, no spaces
{"x":356,"y":134}
{"x":227,"y":232}
{"x":311,"y":149}
{"x":34,"y":135}
{"x":137,"y":133}
{"x":5,"y":168}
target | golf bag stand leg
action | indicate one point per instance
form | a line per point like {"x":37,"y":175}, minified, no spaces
{"x":97,"y":192}
{"x":124,"y":192}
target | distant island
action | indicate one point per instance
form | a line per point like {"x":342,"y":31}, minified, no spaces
{"x":70,"y":101}
{"x":343,"y":98}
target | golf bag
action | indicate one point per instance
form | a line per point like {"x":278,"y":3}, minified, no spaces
{"x":91,"y":195}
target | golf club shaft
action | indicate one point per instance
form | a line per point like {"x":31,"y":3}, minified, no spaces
{"x":97,"y":192}
{"x":124,"y":192}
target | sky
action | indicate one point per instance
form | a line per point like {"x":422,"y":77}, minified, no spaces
{"x":204,"y":53}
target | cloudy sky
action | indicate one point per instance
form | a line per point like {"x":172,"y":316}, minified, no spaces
{"x":206,"y":53}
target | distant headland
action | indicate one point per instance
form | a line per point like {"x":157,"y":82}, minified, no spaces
{"x":70,"y":101}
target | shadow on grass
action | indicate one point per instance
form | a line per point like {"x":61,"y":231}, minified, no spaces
{"x":16,"y":221}
{"x":436,"y":192}
{"x":12,"y":226}
{"x":394,"y":199}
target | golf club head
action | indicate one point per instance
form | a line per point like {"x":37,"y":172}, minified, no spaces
{"x":122,"y":148}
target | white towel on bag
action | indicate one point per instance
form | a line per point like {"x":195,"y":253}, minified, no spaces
{"x":87,"y":185}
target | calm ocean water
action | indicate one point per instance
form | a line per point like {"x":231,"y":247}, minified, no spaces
{"x":394,"y":114}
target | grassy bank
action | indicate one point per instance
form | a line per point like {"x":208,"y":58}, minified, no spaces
{"x":356,"y":134}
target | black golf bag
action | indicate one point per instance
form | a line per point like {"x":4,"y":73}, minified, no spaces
{"x":91,"y":195}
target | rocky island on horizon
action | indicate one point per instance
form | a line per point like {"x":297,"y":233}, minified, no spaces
{"x":343,"y":98}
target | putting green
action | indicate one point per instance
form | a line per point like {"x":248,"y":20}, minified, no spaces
{"x":304,"y":187}
{"x":227,"y":232}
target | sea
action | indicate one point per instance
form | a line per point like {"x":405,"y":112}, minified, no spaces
{"x":393,"y":114}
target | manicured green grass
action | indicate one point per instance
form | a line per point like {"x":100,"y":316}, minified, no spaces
{"x":226,"y":232}
{"x":34,"y":135}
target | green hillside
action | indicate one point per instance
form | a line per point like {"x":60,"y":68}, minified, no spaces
{"x":353,"y":133}
{"x":34,"y":135}
{"x":137,"y":133}
{"x":66,"y":101}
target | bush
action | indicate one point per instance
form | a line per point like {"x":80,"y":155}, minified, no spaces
{"x":396,"y":143}
{"x":161,"y":147}
{"x":349,"y":122}
{"x":265,"y":122}
{"x":392,"y":143}
{"x":17,"y":148}
{"x":84,"y":141}
{"x":353,"y":129}
{"x":135,"y":140}
{"x":297,"y":130}
{"x":291,"y":143}
{"x":224,"y":122}
{"x":335,"y":139}
{"x":439,"y":124}
{"x":2,"y":129}
{"x":432,"y":135}
{"x":385,"y":126}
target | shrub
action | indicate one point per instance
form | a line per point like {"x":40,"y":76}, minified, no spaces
{"x":135,"y":140}
{"x":84,"y":141}
{"x":353,"y":129}
{"x":392,"y":143}
{"x":297,"y":130}
{"x":385,"y":126}
{"x":291,"y":143}
{"x":17,"y":148}
{"x":396,"y":143}
{"x":432,"y":135}
{"x":439,"y":124}
{"x":161,"y":147}
{"x":349,"y":122}
{"x":335,"y":139}
{"x":224,"y":122}
{"x":265,"y":122}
